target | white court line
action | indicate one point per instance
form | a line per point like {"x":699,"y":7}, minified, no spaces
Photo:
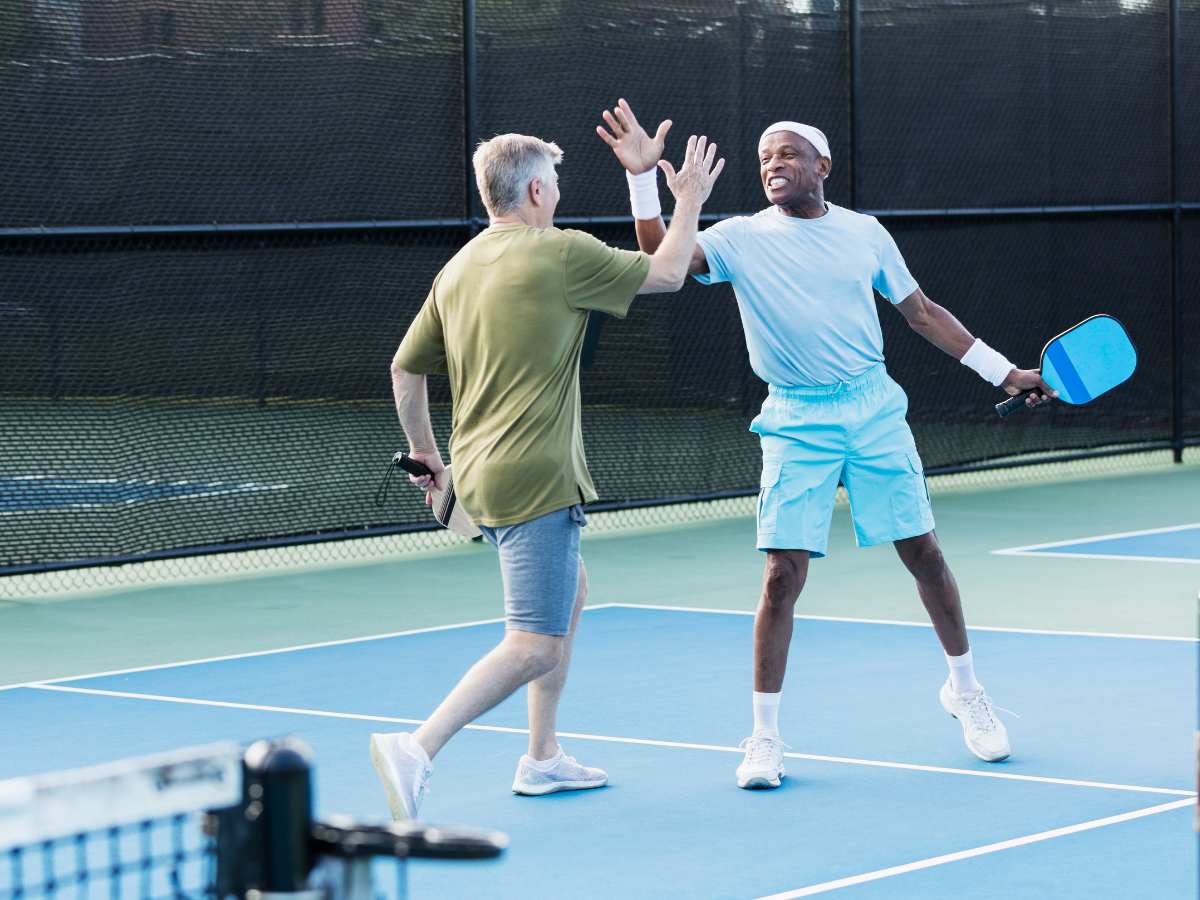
{"x":932,"y":861}
{"x":995,"y":628}
{"x":646,"y":742}
{"x":1116,"y":556}
{"x":1103,"y":537}
{"x":252,"y":653}
{"x":693,"y":609}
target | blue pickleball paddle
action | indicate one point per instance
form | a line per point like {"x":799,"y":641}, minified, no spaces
{"x":1083,"y":362}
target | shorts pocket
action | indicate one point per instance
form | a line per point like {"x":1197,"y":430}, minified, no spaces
{"x":768,"y":494}
{"x":918,"y":471}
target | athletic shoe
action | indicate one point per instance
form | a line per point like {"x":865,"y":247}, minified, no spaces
{"x":565,"y":775}
{"x":983,"y":731}
{"x":404,"y":769}
{"x":762,"y":766}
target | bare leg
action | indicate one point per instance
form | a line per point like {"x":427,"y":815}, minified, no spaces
{"x":544,"y":692}
{"x":935,"y":583}
{"x":518,"y":659}
{"x":783,"y":579}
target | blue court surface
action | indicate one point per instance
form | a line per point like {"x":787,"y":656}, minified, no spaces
{"x":1177,"y":544}
{"x":38,"y":492}
{"x":882,"y":799}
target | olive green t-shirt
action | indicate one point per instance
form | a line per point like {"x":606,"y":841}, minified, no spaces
{"x":505,"y":320}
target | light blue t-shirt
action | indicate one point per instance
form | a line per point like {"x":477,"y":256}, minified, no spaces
{"x":803,"y":288}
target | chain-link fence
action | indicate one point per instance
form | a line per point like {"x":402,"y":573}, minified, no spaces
{"x":220,"y":217}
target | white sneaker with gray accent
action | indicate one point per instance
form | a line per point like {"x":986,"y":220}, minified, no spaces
{"x":983,"y":731}
{"x":762,"y":767}
{"x":404,"y":770}
{"x":565,"y":775}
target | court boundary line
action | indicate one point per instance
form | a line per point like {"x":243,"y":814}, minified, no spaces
{"x":1119,"y":558}
{"x":598,"y":606}
{"x":982,"y":850}
{"x":614,"y":739}
{"x":1051,"y":632}
{"x":1041,"y":549}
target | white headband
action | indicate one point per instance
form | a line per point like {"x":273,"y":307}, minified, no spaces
{"x":814,"y":136}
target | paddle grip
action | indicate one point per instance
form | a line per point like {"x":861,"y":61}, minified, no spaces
{"x":1012,"y":404}
{"x":412,"y":466}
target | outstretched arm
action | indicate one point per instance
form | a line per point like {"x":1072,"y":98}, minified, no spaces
{"x":939,"y":326}
{"x":691,"y":186}
{"x":639,"y":154}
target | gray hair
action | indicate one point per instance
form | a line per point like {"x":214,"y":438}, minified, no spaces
{"x":506,"y":164}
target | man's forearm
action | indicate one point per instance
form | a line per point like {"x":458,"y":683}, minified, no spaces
{"x":944,"y":331}
{"x":675,"y":250}
{"x":650,"y":233}
{"x":412,"y":406}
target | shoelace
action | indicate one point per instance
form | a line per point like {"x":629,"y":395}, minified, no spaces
{"x":760,"y":749}
{"x":981,"y":711}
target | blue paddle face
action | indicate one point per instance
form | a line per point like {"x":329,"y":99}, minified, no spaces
{"x":1093,"y":357}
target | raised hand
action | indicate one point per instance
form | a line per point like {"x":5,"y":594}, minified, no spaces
{"x":636,"y":150}
{"x":696,"y":176}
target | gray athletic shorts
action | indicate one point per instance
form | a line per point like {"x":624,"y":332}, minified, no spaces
{"x":539,"y":562}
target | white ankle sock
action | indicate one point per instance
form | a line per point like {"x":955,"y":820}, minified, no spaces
{"x":545,"y":765}
{"x":962,"y":673}
{"x":766,"y":713}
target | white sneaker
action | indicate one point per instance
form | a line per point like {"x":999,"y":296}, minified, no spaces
{"x":762,"y":766}
{"x":565,"y":775}
{"x":404,"y":769}
{"x":983,"y":731}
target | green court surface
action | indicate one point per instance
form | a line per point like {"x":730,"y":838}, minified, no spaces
{"x":710,"y":565}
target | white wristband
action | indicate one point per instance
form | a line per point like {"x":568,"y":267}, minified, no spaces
{"x":991,"y":366}
{"x":643,"y":194}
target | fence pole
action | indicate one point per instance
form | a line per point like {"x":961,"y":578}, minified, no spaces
{"x":854,"y":39}
{"x":470,"y":118}
{"x":1175,"y":154}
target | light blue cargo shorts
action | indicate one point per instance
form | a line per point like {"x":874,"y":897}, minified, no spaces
{"x":853,"y":432}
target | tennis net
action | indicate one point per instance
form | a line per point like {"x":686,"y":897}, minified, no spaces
{"x":204,"y":822}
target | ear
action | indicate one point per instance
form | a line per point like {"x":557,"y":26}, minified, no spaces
{"x":537,"y":192}
{"x":824,"y":167}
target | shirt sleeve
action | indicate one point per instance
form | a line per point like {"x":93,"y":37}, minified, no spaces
{"x":892,"y":278}
{"x":423,"y":350}
{"x":597,"y":276}
{"x":719,"y":244}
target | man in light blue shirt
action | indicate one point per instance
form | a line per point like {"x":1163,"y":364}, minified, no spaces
{"x":804,"y":272}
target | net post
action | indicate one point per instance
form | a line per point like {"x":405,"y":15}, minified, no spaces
{"x":277,"y":806}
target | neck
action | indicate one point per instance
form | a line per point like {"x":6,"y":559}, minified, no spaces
{"x":806,"y":206}
{"x":522,"y":216}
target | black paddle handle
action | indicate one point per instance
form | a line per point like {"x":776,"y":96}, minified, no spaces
{"x":410,"y":465}
{"x":1012,"y":405}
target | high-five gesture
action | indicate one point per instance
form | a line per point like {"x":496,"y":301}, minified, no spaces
{"x":636,"y":150}
{"x":696,"y":176}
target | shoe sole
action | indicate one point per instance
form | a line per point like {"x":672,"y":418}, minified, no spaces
{"x":760,"y":782}
{"x":395,"y":804}
{"x":554,"y":787}
{"x":982,"y":756}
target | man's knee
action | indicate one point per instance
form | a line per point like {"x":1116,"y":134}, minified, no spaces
{"x":923,"y":557}
{"x":535,"y":654}
{"x":784,"y":576}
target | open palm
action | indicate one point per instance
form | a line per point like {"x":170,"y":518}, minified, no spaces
{"x":635,"y":149}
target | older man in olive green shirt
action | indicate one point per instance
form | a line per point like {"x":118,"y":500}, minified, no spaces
{"x":505,"y":321}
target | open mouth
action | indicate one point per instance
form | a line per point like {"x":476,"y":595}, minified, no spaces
{"x":776,"y":181}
